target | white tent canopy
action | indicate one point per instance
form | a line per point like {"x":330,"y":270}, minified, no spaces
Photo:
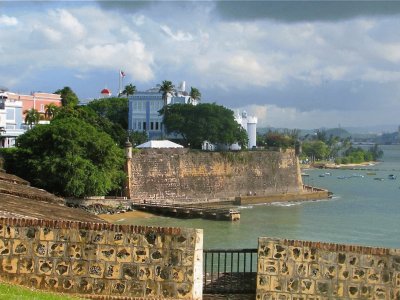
{"x":159,"y":144}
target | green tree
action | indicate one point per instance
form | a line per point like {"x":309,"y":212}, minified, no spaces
{"x":114,"y":109}
{"x":205,"y":121}
{"x":137,"y":137}
{"x":32,"y":117}
{"x":69,"y":157}
{"x":194,"y":94}
{"x":101,"y":123}
{"x":68,"y":97}
{"x":315,"y":149}
{"x":50,"y":111}
{"x":277,"y":139}
{"x":130,"y":89}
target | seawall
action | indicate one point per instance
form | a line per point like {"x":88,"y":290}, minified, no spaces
{"x":184,"y":175}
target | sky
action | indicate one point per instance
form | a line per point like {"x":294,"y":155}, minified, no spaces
{"x":293,"y":64}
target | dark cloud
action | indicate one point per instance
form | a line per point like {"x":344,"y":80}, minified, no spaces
{"x":126,"y":5}
{"x":298,"y":11}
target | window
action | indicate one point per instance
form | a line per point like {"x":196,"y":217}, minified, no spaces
{"x":41,"y":107}
{"x":156,"y":125}
{"x":10,"y":114}
{"x":144,"y":126}
{"x":139,"y":125}
{"x":151,"y":125}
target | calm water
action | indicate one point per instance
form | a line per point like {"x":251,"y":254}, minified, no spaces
{"x":363,"y":211}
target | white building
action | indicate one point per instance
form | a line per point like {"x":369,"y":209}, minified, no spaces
{"x":11,"y":123}
{"x":144,"y":109}
{"x":249,"y":123}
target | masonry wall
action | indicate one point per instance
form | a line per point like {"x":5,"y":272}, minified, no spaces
{"x":187,"y":175}
{"x":309,"y":270}
{"x":102,"y":259}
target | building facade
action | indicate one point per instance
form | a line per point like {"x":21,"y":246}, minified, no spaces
{"x":12,"y":113}
{"x":144,"y":107}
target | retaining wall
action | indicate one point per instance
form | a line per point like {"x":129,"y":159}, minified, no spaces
{"x":297,"y":270}
{"x":182,"y":174}
{"x":99,"y":260}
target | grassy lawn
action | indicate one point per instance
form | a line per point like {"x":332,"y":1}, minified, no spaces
{"x":13,"y":292}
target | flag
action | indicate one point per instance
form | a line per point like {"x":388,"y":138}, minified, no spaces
{"x":122,"y":73}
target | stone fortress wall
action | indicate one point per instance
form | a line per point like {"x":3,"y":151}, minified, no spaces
{"x":179,"y":174}
{"x":99,"y":259}
{"x":298,"y":270}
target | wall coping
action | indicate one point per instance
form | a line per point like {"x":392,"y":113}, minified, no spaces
{"x":59,"y":224}
{"x":333,"y":246}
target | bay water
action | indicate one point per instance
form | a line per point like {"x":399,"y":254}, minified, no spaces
{"x":363,"y":211}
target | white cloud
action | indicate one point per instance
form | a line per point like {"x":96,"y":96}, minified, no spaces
{"x":290,"y":117}
{"x":132,"y":55}
{"x":8,"y":21}
{"x":69,"y":23}
{"x":178,"y":36}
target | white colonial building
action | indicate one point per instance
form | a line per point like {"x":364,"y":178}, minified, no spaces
{"x":144,"y":109}
{"x":11,"y":123}
{"x":249,"y":123}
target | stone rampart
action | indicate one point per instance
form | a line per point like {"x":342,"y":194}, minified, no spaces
{"x":183,"y":174}
{"x":98,"y":260}
{"x":290,"y":269}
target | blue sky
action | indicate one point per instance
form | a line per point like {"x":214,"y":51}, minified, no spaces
{"x":296,"y":64}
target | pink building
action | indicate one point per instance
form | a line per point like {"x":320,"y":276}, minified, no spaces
{"x":37,"y":100}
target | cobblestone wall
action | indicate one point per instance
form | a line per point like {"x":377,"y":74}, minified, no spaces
{"x":102,"y":259}
{"x":308,"y":270}
{"x":184,"y":174}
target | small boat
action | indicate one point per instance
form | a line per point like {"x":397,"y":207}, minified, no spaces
{"x":357,"y":175}
{"x":392,"y":177}
{"x":342,"y":177}
{"x":379,"y":178}
{"x":321,"y":175}
{"x":328,"y":174}
{"x":371,"y":173}
{"x":305,"y":175}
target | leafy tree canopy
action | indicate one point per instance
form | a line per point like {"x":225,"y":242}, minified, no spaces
{"x":68,"y":97}
{"x":205,"y":121}
{"x":69,"y":157}
{"x":90,"y":116}
{"x":277,"y":139}
{"x":316,"y":149}
{"x":114,"y":109}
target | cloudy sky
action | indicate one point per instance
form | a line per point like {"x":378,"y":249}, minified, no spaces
{"x":296,"y":64}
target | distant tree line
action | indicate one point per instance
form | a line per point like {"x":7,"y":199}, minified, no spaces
{"x":320,"y":146}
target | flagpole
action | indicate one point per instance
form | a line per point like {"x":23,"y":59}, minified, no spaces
{"x":119,"y":83}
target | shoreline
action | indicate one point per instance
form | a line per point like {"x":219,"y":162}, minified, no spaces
{"x":340,"y":166}
{"x":126,"y":215}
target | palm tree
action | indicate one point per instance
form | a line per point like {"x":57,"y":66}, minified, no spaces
{"x":166,"y":88}
{"x":50,"y":111}
{"x":32,"y":116}
{"x":194,"y":94}
{"x":130,"y":89}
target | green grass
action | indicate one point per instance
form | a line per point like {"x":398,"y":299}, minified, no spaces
{"x":14,"y":292}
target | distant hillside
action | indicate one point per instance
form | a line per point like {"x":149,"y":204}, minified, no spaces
{"x":340,"y":132}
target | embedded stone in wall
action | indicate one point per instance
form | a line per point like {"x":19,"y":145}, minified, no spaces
{"x":97,"y":259}
{"x":311,"y":270}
